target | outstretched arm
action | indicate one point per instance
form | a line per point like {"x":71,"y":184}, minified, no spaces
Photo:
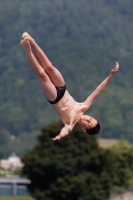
{"x":88,"y":102}
{"x":64,"y":131}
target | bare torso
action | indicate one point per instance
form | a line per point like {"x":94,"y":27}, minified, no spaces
{"x":68,"y":109}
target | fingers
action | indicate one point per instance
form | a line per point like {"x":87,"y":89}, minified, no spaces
{"x":56,"y":138}
{"x":116,"y":68}
{"x":116,"y":64}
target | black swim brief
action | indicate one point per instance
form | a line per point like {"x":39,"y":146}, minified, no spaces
{"x":60,"y":94}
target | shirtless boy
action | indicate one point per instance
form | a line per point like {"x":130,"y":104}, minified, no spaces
{"x":54,"y":89}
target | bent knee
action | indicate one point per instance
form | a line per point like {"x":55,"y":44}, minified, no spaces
{"x":49,"y":67}
{"x":42,"y":74}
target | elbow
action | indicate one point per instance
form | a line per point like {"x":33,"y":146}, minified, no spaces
{"x":100,"y":90}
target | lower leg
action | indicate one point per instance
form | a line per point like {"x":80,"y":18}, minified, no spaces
{"x":52,"y":72}
{"x":48,"y":88}
{"x":31,"y":58}
{"x":39,"y":54}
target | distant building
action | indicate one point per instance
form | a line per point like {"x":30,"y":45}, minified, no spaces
{"x":13,"y":163}
{"x":14,"y":186}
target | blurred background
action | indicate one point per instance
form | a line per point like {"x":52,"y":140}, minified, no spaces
{"x":83,"y":39}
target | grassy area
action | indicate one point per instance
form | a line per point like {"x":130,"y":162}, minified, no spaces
{"x":16,"y":198}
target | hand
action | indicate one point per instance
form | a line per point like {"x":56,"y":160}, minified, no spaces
{"x":58,"y":137}
{"x":116,"y":68}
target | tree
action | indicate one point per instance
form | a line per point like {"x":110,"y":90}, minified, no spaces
{"x":74,"y":167}
{"x":123,"y":151}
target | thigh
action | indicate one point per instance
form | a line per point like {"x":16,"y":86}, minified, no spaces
{"x":48,"y":88}
{"x":55,"y":76}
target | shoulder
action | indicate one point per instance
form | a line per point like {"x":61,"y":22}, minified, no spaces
{"x":84,"y":106}
{"x":81,"y":107}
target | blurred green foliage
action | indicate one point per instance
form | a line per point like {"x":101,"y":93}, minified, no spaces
{"x":75,"y":167}
{"x":83,"y":39}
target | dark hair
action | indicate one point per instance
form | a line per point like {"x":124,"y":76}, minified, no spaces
{"x":94,"y":130}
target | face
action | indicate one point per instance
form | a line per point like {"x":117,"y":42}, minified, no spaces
{"x":87,"y":122}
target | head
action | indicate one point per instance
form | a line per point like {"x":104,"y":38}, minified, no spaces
{"x":89,"y":125}
{"x":95,"y":130}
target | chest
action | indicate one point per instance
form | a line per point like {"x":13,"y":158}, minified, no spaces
{"x":75,"y":114}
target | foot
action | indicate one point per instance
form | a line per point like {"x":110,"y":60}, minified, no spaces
{"x":26,"y":36}
{"x":26,"y":45}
